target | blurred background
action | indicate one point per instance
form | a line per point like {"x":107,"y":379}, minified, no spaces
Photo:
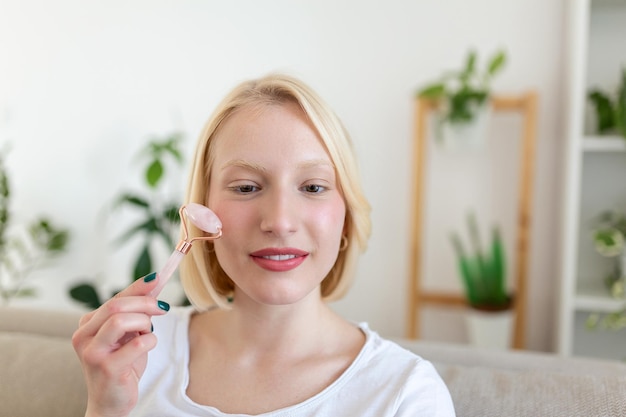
{"x":85,"y":85}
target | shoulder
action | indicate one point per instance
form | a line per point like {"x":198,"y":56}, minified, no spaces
{"x":386,"y":351}
{"x":416,"y":382}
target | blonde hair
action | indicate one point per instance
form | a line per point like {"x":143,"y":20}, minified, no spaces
{"x":203,"y":279}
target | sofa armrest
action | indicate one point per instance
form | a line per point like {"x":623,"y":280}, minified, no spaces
{"x":41,"y":376}
{"x":55,"y":323}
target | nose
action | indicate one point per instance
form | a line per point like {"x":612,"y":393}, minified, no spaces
{"x":279,"y":213}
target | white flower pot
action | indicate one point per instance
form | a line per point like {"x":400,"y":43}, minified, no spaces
{"x":466,"y":136}
{"x":490,"y":329}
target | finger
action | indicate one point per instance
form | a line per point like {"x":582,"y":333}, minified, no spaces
{"x":95,"y":351}
{"x":120,"y":305}
{"x":141,"y":286}
{"x":128,"y":355}
{"x":118,"y":325}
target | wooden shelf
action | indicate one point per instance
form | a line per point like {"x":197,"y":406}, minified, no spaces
{"x":595,"y":298}
{"x":594,"y":166}
{"x":526,"y":106}
{"x":604,"y":144}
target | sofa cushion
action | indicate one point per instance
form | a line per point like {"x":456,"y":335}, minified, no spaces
{"x":488,"y":392}
{"x":41,"y":376}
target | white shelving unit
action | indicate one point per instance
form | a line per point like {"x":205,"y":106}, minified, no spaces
{"x":594,"y":179}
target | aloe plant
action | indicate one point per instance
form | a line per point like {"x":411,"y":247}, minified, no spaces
{"x":464,"y":92}
{"x":483,"y":272}
{"x":610,"y":109}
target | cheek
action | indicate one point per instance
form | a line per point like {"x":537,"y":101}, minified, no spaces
{"x":232,"y":216}
{"x":330,"y":218}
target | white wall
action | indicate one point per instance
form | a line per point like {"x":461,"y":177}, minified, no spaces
{"x":83,"y":84}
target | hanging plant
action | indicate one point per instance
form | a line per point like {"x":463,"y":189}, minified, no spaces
{"x":463,"y":94}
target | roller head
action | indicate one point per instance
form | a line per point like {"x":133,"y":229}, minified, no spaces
{"x":203,"y":218}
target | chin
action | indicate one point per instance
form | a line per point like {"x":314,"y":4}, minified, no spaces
{"x":283,"y":296}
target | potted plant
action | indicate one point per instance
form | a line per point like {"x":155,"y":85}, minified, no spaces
{"x":22,"y":251}
{"x":609,"y":241}
{"x":483,"y":275}
{"x":463,"y":97}
{"x":610,"y":110}
{"x":157,"y":219}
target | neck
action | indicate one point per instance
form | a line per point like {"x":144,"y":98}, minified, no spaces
{"x":283,"y":326}
{"x":257,"y":330}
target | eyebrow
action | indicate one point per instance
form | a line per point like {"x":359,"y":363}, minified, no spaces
{"x":241,"y":163}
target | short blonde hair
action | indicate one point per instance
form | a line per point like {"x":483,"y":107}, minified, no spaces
{"x":203,"y":279}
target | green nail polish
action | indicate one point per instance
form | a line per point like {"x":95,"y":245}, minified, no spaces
{"x":163,"y":305}
{"x":149,"y":277}
{"x":151,"y":328}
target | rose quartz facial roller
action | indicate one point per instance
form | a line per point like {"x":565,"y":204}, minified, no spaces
{"x":203,"y":218}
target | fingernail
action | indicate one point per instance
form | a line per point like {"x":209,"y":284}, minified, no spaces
{"x":151,"y":328}
{"x":163,"y":305}
{"x":149,"y":277}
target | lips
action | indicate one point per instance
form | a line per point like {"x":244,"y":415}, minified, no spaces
{"x":279,"y":259}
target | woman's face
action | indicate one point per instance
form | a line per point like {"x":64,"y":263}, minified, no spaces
{"x":274,"y":188}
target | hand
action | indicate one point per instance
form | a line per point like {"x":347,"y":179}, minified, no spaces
{"x":112,"y":344}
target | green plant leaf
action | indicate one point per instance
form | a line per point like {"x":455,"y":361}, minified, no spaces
{"x":433,"y":92}
{"x":604,"y":110}
{"x":467,"y":269}
{"x":48,"y":237}
{"x":497,"y":256}
{"x":172,"y":146}
{"x":171,"y":213}
{"x":58,"y":241}
{"x":496,"y":63}
{"x":498,"y":269}
{"x":483,"y":273}
{"x":143,"y":265}
{"x":154,"y":173}
{"x":608,"y":241}
{"x":133,"y":200}
{"x":86,"y":294}
{"x":469,"y":69}
{"x":148,"y":227}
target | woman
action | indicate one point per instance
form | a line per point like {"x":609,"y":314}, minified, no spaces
{"x":276,"y":166}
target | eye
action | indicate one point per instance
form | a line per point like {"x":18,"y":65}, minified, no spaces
{"x":314,"y":188}
{"x":244,"y":188}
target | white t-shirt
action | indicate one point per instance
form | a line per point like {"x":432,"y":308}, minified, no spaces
{"x":384,"y":380}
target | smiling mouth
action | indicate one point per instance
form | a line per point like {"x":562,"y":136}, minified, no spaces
{"x":279,"y":257}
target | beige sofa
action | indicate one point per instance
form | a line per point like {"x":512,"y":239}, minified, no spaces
{"x":40,"y":375}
